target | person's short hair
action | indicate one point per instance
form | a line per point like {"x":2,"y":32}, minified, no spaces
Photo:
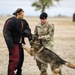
{"x":17,"y":11}
{"x":43,"y":15}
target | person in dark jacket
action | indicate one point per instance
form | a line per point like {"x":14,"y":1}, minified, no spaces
{"x":14,"y":31}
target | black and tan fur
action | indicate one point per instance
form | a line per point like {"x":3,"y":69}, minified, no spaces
{"x":48,"y":56}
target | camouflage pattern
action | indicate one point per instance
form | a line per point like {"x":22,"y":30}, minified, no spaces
{"x":46,"y":30}
{"x":42,"y":66}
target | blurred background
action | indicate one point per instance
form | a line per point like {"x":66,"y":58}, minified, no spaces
{"x":59,"y":7}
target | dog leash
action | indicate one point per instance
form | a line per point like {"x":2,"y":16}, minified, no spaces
{"x":40,"y":50}
{"x":36,"y":57}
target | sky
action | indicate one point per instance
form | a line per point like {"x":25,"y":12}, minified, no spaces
{"x":64,"y":7}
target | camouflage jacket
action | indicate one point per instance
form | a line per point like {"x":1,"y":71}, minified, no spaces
{"x":46,"y":30}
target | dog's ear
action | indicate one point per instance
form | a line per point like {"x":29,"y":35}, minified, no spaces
{"x":34,"y":37}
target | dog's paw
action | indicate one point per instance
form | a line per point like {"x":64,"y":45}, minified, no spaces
{"x":32,"y":52}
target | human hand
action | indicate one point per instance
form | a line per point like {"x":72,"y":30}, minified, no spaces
{"x":40,"y":37}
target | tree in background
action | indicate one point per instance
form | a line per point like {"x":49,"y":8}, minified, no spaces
{"x":74,"y":17}
{"x":43,"y":4}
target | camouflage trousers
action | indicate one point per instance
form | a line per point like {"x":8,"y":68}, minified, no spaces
{"x":42,"y":66}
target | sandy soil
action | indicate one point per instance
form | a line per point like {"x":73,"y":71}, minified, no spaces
{"x":64,"y":46}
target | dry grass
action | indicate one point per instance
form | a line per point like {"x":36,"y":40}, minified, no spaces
{"x":64,"y":46}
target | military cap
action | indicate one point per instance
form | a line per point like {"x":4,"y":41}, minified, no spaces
{"x":17,"y":11}
{"x":43,"y":15}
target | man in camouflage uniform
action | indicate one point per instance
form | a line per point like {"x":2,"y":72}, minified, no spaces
{"x":45,"y":31}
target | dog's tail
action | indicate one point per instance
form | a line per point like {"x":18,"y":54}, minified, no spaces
{"x":68,"y":64}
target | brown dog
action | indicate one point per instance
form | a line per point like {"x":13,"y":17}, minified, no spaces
{"x":48,"y":56}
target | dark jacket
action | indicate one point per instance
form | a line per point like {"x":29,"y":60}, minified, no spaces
{"x":13,"y":31}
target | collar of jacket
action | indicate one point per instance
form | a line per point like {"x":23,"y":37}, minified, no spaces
{"x":43,"y":25}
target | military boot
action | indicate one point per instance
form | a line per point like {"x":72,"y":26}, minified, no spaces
{"x":43,"y":73}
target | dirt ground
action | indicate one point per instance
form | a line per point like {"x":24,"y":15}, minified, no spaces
{"x":64,"y":46}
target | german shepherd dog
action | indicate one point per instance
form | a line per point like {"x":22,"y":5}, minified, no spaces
{"x":48,"y":56}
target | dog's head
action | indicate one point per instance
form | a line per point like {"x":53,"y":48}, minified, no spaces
{"x":35,"y":42}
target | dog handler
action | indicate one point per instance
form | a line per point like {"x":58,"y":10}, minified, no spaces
{"x":14,"y":31}
{"x":44,"y":31}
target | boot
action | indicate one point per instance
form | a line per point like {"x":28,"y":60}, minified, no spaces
{"x":19,"y":71}
{"x":18,"y":74}
{"x":43,"y":73}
